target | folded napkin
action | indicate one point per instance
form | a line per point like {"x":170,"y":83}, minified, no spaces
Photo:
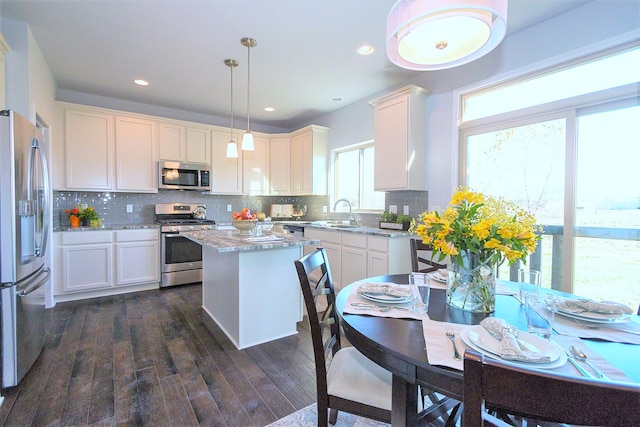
{"x":384,"y":288}
{"x":572,"y":305}
{"x":510,"y":348}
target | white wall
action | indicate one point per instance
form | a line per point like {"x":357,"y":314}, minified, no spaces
{"x":555,"y":40}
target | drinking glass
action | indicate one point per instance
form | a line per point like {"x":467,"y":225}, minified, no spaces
{"x":419,"y":283}
{"x":536,"y":323}
{"x":528,"y":283}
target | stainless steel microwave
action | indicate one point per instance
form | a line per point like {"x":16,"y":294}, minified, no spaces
{"x":183,"y":176}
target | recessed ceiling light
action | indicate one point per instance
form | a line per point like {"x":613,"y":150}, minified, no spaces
{"x":337,"y":99}
{"x":141,"y":82}
{"x":365,"y":49}
{"x":269,"y":109}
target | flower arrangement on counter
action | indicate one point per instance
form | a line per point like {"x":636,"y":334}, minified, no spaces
{"x":86,"y":214}
{"x":492,"y":228}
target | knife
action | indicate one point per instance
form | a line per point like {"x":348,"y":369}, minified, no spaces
{"x":577,"y":366}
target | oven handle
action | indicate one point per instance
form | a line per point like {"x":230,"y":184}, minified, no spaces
{"x":173,"y":235}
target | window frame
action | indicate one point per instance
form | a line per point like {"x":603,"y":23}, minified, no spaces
{"x":360,"y":147}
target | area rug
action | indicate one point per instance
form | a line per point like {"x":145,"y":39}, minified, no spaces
{"x":308,"y":417}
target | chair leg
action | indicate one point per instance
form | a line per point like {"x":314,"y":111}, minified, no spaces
{"x":333,"y":416}
{"x":322,"y":415}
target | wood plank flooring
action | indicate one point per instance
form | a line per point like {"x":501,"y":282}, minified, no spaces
{"x":148,"y":358}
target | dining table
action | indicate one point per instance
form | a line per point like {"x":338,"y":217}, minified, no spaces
{"x":397,"y":340}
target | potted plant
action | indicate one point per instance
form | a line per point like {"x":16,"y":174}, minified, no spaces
{"x":393,"y":221}
{"x":74,"y":216}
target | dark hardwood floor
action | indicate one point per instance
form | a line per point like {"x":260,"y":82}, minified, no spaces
{"x":148,"y":358}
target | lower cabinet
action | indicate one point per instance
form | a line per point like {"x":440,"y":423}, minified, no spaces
{"x":354,"y":256}
{"x":97,"y":263}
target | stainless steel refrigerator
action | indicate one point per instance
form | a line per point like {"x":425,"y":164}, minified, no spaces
{"x":24,"y":217}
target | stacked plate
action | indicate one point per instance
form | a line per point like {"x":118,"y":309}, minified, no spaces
{"x":385,"y":293}
{"x":588,"y":316}
{"x":477,"y":338}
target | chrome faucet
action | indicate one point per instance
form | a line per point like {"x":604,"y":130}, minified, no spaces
{"x":348,"y":203}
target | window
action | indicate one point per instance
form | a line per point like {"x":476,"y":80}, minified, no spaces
{"x":354,"y":177}
{"x":574,"y":166}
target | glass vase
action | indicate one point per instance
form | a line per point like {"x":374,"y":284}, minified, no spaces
{"x":471,"y":285}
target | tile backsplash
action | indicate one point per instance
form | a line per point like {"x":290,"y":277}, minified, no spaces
{"x":112,"y":207}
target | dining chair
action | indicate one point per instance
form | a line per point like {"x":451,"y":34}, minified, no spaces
{"x":545,"y":396}
{"x":418,"y":248}
{"x":346,"y":380}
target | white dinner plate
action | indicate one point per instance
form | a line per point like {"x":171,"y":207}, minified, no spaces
{"x":480,"y":340}
{"x":385,"y":299}
{"x":439,"y":278}
{"x":595,"y":317}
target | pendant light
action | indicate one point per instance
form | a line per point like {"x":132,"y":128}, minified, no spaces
{"x":232,"y":147}
{"x":439,"y":34}
{"x":247,"y":138}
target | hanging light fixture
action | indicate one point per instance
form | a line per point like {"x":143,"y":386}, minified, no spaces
{"x":247,"y":138}
{"x":439,"y":34}
{"x":232,"y":147}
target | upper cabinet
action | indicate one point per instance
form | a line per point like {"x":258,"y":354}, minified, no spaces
{"x":179,"y":142}
{"x":4,"y":49}
{"x":309,"y":160}
{"x":100,"y":151}
{"x":255,"y":172}
{"x":226,"y":173}
{"x":400,"y":138}
{"x":280,"y":165}
{"x":136,"y":155}
{"x":89,"y":151}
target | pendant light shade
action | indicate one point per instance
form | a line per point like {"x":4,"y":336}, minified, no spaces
{"x":247,"y":138}
{"x":232,"y":147}
{"x":439,"y":34}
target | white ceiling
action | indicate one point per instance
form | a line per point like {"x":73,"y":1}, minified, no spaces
{"x":305,"y":54}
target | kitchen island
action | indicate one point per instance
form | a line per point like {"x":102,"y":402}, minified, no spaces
{"x":249,"y":284}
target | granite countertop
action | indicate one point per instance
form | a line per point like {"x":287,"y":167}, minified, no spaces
{"x":108,"y":227}
{"x":369,"y":231}
{"x":229,"y":241}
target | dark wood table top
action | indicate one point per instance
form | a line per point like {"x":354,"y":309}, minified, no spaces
{"x":399,"y":346}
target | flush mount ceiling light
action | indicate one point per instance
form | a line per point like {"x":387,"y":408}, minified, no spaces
{"x":439,"y":34}
{"x":141,"y":82}
{"x":232,"y":147}
{"x":247,"y":138}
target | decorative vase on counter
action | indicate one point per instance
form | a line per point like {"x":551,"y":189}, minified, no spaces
{"x":95,"y":223}
{"x":85,"y":222}
{"x":74,"y":221}
{"x":471,"y":286}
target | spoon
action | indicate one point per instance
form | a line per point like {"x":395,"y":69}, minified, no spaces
{"x":579,"y":354}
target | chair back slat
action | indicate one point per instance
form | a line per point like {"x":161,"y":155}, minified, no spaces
{"x":417,"y":247}
{"x":545,"y":396}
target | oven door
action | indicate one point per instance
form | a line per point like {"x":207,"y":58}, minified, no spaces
{"x":180,"y":253}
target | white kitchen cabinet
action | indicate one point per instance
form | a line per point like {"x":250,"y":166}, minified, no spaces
{"x":226,"y":173}
{"x":172,"y":139}
{"x":255,"y":167}
{"x":89,"y":155}
{"x":198,"y":145}
{"x":99,"y":263}
{"x":4,"y":49}
{"x":279,"y":165}
{"x":137,"y":257}
{"x":400,"y":123}
{"x":136,"y":155}
{"x":85,"y":261}
{"x":332,"y":242}
{"x":354,"y":258}
{"x":309,"y":160}
{"x":180,"y":142}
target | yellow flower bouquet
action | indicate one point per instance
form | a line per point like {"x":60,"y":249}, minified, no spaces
{"x":477,"y":233}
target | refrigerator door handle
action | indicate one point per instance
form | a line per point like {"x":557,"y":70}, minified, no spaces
{"x":26,"y":290}
{"x":41,"y":211}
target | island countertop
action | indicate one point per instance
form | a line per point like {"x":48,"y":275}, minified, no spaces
{"x":229,"y":241}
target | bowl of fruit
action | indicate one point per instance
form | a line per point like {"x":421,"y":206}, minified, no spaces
{"x":244,"y":221}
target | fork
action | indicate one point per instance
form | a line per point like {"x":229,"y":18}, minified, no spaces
{"x":452,"y":337}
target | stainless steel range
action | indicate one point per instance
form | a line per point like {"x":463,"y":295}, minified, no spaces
{"x":181,"y":260}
